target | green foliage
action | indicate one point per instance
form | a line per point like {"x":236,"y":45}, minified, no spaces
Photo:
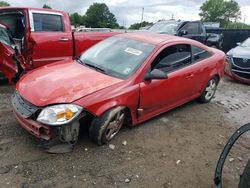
{"x":237,"y":25}
{"x":4,"y":4}
{"x":47,"y":6}
{"x":139,"y":25}
{"x":220,"y":11}
{"x":98,"y":15}
{"x":76,"y":19}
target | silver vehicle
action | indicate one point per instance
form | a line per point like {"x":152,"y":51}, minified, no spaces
{"x":238,"y":58}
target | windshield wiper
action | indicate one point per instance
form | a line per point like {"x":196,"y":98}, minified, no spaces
{"x":90,"y":65}
{"x":95,"y":67}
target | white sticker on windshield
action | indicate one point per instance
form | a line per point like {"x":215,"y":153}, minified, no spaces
{"x":133,"y":51}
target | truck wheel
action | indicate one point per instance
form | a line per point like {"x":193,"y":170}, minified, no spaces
{"x":105,"y":128}
{"x":209,"y":91}
{"x":245,"y":177}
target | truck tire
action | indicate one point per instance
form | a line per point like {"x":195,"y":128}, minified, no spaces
{"x":209,"y":91}
{"x":245,"y":177}
{"x":106,"y":127}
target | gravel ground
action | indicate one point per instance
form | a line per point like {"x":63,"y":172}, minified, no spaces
{"x":179,"y":148}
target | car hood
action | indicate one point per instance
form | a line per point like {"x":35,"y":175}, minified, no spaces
{"x":239,"y":51}
{"x":63,"y":82}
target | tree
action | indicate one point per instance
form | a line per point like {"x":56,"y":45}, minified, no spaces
{"x":139,"y":25}
{"x":99,"y":15}
{"x":76,"y":19}
{"x":4,"y":4}
{"x":47,"y":6}
{"x":237,"y":25}
{"x":220,"y":11}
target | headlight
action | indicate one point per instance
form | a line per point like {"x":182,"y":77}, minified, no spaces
{"x":59,"y":114}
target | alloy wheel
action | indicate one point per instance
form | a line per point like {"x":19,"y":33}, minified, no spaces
{"x":210,"y":89}
{"x":115,"y":125}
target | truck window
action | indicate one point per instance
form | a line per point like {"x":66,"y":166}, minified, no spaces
{"x":193,"y":28}
{"x":48,"y":22}
{"x":15,"y":22}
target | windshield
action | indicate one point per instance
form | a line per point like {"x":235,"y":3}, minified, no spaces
{"x":246,"y":43}
{"x":5,"y":37}
{"x":116,"y":56}
{"x":164,"y":27}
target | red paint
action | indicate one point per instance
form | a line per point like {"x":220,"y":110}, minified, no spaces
{"x":42,"y":48}
{"x":70,"y":82}
{"x":81,"y":81}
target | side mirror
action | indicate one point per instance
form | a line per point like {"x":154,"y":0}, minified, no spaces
{"x":182,"y":32}
{"x":238,"y":43}
{"x":156,"y":74}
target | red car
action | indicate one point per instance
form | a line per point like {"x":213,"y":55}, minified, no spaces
{"x":125,"y":79}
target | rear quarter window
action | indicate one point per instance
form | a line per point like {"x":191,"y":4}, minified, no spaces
{"x":199,"y":53}
{"x":47,"y":22}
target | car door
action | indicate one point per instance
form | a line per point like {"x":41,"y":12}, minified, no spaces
{"x":51,"y":36}
{"x":8,"y":56}
{"x":157,"y":96}
{"x":195,"y":31}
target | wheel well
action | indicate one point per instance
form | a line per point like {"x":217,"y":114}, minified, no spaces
{"x":217,"y":77}
{"x":129,"y":117}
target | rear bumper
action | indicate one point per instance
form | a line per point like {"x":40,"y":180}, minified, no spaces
{"x":38,"y":130}
{"x":229,"y":73}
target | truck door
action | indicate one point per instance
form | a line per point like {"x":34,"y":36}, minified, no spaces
{"x":195,"y":31}
{"x":51,"y":37}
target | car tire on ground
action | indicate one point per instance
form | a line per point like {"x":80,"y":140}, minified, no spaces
{"x":105,"y":128}
{"x":209,"y":91}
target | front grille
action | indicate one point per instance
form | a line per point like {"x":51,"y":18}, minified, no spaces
{"x":25,"y":108}
{"x":242,"y":63}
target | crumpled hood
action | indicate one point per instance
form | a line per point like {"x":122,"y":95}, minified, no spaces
{"x":241,"y":52}
{"x":63,"y":82}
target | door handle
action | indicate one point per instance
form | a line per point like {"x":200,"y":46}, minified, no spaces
{"x":64,"y":39}
{"x":189,"y":76}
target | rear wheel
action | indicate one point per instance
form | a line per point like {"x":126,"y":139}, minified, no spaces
{"x":209,"y":91}
{"x":106,"y":127}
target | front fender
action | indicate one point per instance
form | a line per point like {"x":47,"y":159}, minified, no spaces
{"x":100,"y":102}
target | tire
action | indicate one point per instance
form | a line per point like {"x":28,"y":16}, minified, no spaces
{"x":245,"y":177}
{"x":106,"y":127}
{"x":209,"y":91}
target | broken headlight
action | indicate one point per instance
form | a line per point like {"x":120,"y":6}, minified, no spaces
{"x":59,"y":114}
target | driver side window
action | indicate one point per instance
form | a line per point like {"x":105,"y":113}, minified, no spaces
{"x":173,"y":58}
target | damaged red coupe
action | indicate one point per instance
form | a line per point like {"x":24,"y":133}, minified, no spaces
{"x":125,"y":79}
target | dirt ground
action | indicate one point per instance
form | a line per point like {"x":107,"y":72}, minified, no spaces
{"x":179,"y":148}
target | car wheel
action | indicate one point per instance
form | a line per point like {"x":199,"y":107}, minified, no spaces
{"x":105,"y":128}
{"x":209,"y":91}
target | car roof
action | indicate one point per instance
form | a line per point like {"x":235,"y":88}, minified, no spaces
{"x":154,"y":38}
{"x":29,"y":8}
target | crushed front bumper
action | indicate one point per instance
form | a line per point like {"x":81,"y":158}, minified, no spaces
{"x":35,"y":128}
{"x":24,"y":112}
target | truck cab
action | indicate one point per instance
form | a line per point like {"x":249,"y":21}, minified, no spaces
{"x":190,"y":29}
{"x":44,"y":36}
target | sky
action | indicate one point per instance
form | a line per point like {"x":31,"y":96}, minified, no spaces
{"x":128,"y":12}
